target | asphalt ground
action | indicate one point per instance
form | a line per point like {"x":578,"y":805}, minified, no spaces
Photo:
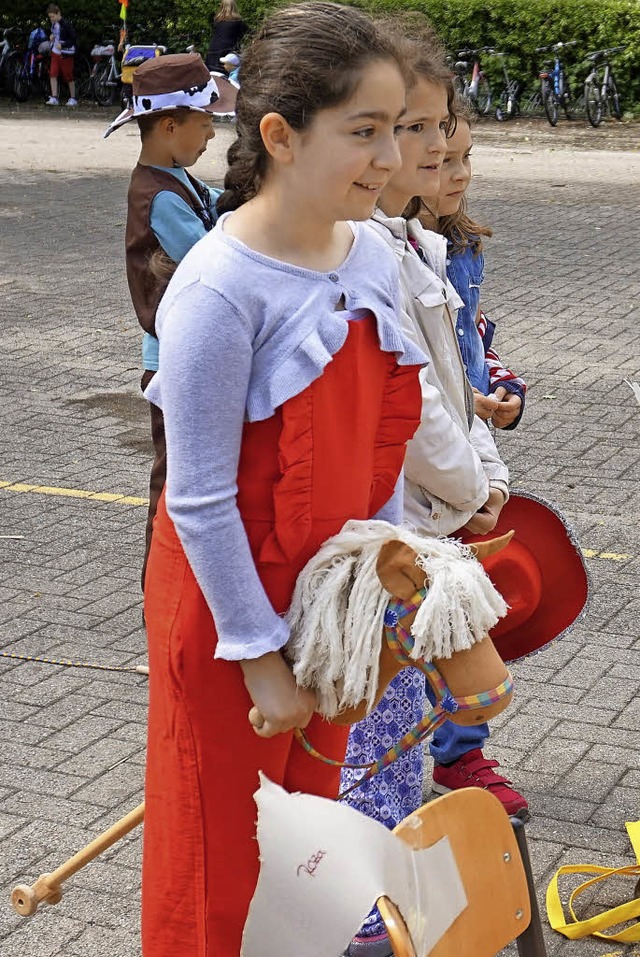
{"x":563,"y":283}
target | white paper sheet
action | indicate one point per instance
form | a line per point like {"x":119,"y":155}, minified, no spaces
{"x":324,"y":865}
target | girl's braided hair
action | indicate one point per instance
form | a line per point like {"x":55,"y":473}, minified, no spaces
{"x":304,"y":58}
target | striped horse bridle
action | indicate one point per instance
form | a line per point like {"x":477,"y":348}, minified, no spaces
{"x":401,"y":642}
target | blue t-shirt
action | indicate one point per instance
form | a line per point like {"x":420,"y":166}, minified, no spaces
{"x":177,"y":228}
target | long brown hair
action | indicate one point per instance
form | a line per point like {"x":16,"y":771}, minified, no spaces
{"x":305,"y":58}
{"x":228,"y":11}
{"x":459,"y":229}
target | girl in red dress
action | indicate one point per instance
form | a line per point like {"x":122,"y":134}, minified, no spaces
{"x":288,"y":392}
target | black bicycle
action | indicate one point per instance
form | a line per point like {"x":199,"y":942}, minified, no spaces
{"x":600,"y":91}
{"x":508,"y":105}
{"x":470,"y":82}
{"x":555,"y":91}
{"x":10,"y":57}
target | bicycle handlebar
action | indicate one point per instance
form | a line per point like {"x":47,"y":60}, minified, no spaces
{"x":467,"y":51}
{"x":604,"y":53}
{"x":556,"y":46}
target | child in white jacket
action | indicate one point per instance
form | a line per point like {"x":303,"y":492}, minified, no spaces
{"x":454,"y":477}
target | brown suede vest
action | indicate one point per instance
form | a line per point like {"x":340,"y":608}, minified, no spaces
{"x":140,"y":240}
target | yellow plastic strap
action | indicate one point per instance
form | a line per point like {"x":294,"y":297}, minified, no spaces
{"x":609,"y":918}
{"x":633,"y":830}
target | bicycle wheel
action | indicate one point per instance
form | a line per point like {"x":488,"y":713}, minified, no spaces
{"x":10,"y":68}
{"x":458,"y":86}
{"x":550,"y":103}
{"x":593,"y":104}
{"x":21,"y":84}
{"x":613,"y":99}
{"x":567,"y":102}
{"x":483,"y":96}
{"x":103,"y":92}
{"x":82,"y":76}
{"x":41,"y":83}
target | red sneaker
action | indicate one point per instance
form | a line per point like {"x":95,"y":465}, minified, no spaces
{"x":473,"y":770}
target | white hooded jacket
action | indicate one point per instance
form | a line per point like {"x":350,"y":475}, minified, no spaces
{"x":452,"y":460}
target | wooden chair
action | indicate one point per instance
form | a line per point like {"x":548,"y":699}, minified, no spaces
{"x":490,"y":851}
{"x":491,"y":855}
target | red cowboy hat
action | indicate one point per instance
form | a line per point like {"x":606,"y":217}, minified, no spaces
{"x":541,"y":575}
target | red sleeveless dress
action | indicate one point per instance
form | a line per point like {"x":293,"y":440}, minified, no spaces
{"x":331,"y":453}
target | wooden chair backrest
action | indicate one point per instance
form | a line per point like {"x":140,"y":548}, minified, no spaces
{"x":490,"y":866}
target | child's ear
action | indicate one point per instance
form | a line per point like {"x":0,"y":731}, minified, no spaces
{"x":277,"y":137}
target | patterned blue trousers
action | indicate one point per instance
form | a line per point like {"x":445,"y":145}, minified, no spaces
{"x":397,"y":791}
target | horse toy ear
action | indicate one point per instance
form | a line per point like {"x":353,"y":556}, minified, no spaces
{"x":483,"y":550}
{"x":398,"y":571}
{"x":402,"y":577}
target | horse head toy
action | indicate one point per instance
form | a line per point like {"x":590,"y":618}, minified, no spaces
{"x":377,"y":598}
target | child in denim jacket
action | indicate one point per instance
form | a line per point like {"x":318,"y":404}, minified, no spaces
{"x":499,"y":393}
{"x":498,"y":397}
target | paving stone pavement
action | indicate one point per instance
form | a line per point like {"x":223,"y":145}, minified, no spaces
{"x":563,"y":283}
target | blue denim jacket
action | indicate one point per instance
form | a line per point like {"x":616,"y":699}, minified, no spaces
{"x":466,"y":274}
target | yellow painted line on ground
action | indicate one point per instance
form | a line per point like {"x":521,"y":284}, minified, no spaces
{"x":608,"y":556}
{"x":115,"y":497}
{"x":134,"y":500}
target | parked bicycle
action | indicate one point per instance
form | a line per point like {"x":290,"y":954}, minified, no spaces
{"x":32,"y":71}
{"x":508,"y":105}
{"x":104,"y":81}
{"x":555,"y":91}
{"x":600,"y":92}
{"x":10,"y":58}
{"x":470,"y":82}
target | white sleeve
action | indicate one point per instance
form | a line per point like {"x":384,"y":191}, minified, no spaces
{"x":206,"y":356}
{"x":494,"y":468}
{"x":441,"y":459}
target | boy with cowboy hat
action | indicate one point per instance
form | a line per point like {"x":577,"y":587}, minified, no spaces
{"x":169,"y":210}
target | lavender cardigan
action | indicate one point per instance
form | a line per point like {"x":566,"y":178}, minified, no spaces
{"x":240,"y":334}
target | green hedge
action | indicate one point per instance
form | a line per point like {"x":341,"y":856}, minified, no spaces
{"x":514,"y":26}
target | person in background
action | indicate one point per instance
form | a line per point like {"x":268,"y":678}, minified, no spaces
{"x":229,"y":30}
{"x":169,"y":209}
{"x":231,"y":63}
{"x":63,"y":48}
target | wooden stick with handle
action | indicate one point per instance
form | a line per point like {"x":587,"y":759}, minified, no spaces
{"x":25,"y":899}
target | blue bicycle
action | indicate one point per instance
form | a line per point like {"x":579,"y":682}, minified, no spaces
{"x":555,"y":91}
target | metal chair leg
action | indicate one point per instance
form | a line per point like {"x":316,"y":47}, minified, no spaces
{"x":531,"y":942}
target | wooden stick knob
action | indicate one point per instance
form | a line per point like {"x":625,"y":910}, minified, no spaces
{"x":25,"y":899}
{"x":256,"y":719}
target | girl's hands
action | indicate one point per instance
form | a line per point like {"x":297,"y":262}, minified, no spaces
{"x":508,"y":408}
{"x":280,"y":705}
{"x":484,"y":405}
{"x":486,"y":518}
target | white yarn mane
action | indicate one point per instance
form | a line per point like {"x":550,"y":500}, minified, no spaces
{"x":337,"y":610}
